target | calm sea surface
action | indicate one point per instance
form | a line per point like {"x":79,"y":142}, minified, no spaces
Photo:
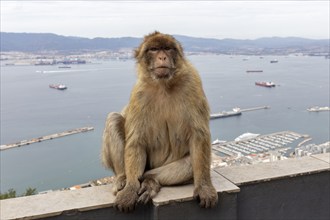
{"x":30,"y":109}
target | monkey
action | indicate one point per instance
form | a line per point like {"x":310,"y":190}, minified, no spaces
{"x":162,"y":137}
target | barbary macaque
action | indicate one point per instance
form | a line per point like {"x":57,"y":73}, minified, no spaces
{"x":162,"y":136}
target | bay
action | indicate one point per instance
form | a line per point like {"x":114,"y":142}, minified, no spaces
{"x":30,"y":109}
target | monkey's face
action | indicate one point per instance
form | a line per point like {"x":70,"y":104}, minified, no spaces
{"x":159,"y":55}
{"x":161,"y":62}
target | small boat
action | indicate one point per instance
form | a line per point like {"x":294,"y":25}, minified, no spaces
{"x":274,"y":61}
{"x":318,"y":109}
{"x":64,"y":67}
{"x":217,"y":141}
{"x":58,"y":86}
{"x":265,"y":84}
{"x":246,"y":136}
{"x":254,"y":71}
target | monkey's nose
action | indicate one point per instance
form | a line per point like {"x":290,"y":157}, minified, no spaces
{"x":163,"y":58}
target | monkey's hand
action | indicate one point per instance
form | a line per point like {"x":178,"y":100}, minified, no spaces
{"x":126,"y":198}
{"x":206,"y":195}
{"x":149,"y":188}
{"x":119,"y":184}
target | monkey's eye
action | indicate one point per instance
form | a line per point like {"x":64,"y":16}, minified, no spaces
{"x":153,"y":49}
{"x":167,"y":48}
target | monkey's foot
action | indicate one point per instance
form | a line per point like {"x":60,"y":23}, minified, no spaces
{"x":118,"y":184}
{"x":126,"y":199}
{"x":149,"y":189}
{"x":206,"y":195}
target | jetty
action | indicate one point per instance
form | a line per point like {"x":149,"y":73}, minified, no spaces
{"x":236,"y":112}
{"x":44,"y":138}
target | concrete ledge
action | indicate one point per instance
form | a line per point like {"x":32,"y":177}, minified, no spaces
{"x":68,"y":203}
{"x":185,"y":193}
{"x":178,"y":203}
{"x":241,"y":175}
{"x":290,"y":189}
{"x":55,"y":203}
{"x":323,"y":157}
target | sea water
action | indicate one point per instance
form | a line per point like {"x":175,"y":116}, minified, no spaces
{"x":30,"y":109}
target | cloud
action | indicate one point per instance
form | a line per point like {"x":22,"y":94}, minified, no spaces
{"x":219,"y":19}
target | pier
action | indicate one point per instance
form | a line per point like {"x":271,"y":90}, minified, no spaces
{"x":47,"y":137}
{"x":236,"y":112}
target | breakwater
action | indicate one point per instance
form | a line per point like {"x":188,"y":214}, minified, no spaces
{"x":225,"y":114}
{"x":254,"y":109}
{"x":236,"y":112}
{"x":44,"y":138}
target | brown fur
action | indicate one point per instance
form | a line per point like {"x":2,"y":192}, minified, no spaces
{"x":162,"y":137}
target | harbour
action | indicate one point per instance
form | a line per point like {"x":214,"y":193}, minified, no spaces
{"x":259,"y":144}
{"x":44,"y":138}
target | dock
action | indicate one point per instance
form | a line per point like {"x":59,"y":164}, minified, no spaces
{"x":44,"y":138}
{"x":259,"y":144}
{"x":236,"y":112}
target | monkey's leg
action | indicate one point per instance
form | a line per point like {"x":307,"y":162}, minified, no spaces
{"x":177,"y":172}
{"x":113,"y":149}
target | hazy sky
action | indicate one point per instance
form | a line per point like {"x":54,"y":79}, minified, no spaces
{"x":216,"y":19}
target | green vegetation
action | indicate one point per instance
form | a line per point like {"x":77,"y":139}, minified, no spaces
{"x":11,"y":193}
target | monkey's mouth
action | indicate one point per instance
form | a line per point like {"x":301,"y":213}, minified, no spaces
{"x":162,"y":72}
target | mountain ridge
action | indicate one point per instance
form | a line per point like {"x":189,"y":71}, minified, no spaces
{"x":34,"y":42}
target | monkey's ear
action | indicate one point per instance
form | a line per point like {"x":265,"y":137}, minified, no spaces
{"x":136,"y":53}
{"x":179,"y":48}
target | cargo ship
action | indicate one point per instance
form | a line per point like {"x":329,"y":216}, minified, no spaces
{"x":265,"y":84}
{"x":58,"y":86}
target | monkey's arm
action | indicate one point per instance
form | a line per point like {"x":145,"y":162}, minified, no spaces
{"x":200,"y":151}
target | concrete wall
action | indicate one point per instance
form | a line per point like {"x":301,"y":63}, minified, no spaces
{"x":289,"y":189}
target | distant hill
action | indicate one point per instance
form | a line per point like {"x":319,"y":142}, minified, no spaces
{"x":36,"y":42}
{"x":32,"y":42}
